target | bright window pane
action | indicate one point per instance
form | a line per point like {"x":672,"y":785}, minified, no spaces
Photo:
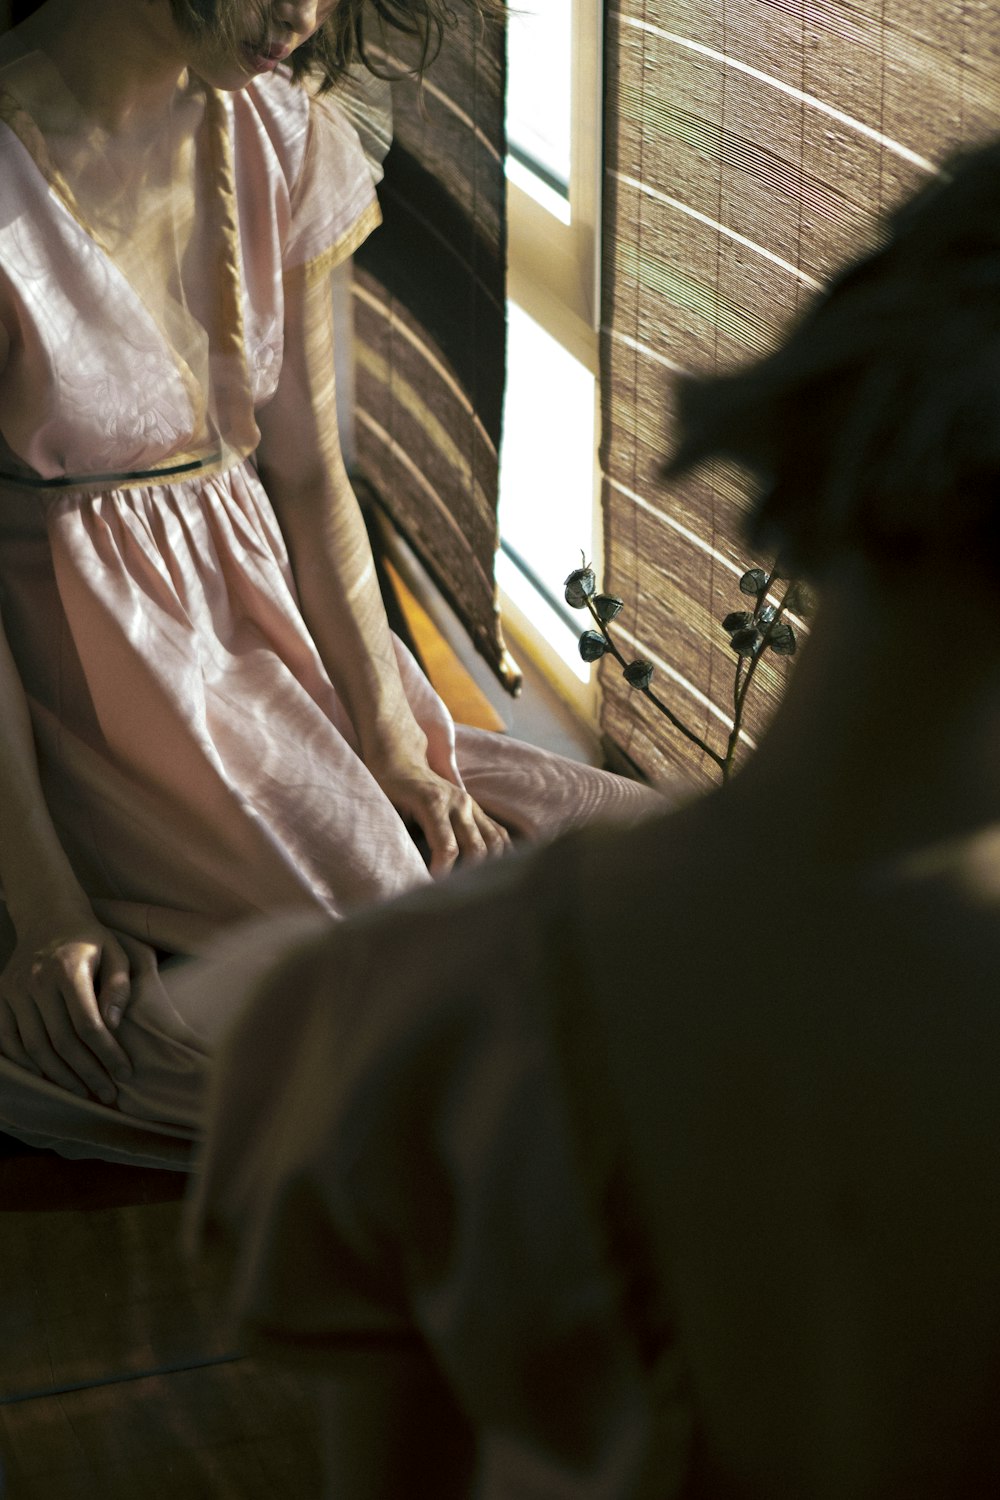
{"x":546,"y":479}
{"x":539,"y":87}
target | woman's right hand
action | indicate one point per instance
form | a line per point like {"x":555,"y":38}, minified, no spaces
{"x":62,"y":995}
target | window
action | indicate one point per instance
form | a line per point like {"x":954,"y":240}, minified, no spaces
{"x":548,"y":479}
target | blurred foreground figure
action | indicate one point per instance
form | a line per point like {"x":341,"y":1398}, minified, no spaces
{"x":666,"y":1161}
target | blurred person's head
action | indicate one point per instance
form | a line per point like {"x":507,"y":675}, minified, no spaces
{"x":873,"y":430}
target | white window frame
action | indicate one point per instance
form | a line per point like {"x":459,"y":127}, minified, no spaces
{"x":554,"y":275}
{"x":554,"y":268}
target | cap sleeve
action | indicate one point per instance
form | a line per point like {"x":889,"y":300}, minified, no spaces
{"x":333,"y":202}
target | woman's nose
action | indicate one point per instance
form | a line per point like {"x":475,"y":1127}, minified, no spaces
{"x":300,"y":16}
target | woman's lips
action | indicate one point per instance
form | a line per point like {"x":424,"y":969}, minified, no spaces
{"x":264,"y":59}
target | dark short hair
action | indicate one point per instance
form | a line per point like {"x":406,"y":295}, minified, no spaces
{"x":342,"y":41}
{"x":874,"y":427}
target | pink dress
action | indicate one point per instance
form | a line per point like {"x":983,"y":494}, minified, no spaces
{"x":195,"y":758}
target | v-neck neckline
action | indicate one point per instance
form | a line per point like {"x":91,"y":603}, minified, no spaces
{"x":227,"y":337}
{"x":16,"y":115}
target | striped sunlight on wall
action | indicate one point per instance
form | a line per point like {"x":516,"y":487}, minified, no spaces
{"x":750,"y":146}
{"x":430,"y":325}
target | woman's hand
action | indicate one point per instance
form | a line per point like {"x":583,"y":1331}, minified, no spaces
{"x":62,"y":995}
{"x":454,"y":826}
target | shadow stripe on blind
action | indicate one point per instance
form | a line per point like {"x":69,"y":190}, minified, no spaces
{"x":403,"y":458}
{"x":421,"y":214}
{"x":387,"y":59}
{"x":799,"y":95}
{"x":430,"y":358}
{"x":684,"y":683}
{"x":430,"y":325}
{"x":724,"y":229}
{"x":647,"y":353}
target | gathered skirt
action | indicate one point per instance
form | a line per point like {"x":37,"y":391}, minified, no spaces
{"x":202,"y":771}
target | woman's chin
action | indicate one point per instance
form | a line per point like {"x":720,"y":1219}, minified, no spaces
{"x":258,"y":62}
{"x":229,"y":76}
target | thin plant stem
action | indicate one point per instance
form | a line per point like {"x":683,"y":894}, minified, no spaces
{"x":740,"y":691}
{"x":668,"y":713}
{"x":746,"y":666}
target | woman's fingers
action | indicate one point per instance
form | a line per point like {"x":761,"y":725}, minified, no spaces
{"x":473,"y":835}
{"x":11,"y":1046}
{"x":78,"y":1023}
{"x":56,"y":1015}
{"x":494,"y":835}
{"x":436,"y":822}
{"x":38,"y":1045}
{"x":80,"y":1040}
{"x":115,"y":988}
{"x":454,"y":826}
{"x":478,"y":836}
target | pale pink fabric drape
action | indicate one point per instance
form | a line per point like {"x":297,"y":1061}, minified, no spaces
{"x":194,"y":754}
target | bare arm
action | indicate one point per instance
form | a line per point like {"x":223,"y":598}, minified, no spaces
{"x":303,"y":471}
{"x":66,"y":984}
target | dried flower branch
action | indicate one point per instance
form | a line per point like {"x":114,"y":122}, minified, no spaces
{"x":751,"y":632}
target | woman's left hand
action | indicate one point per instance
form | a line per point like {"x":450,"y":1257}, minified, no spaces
{"x":454,"y":826}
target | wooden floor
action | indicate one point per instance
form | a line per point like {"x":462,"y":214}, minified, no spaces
{"x":225,"y":1432}
{"x":117,"y":1381}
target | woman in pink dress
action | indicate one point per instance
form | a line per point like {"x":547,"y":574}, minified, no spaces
{"x":205,"y":716}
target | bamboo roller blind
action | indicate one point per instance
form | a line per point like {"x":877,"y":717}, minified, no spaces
{"x":750,"y":146}
{"x":430,"y":325}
